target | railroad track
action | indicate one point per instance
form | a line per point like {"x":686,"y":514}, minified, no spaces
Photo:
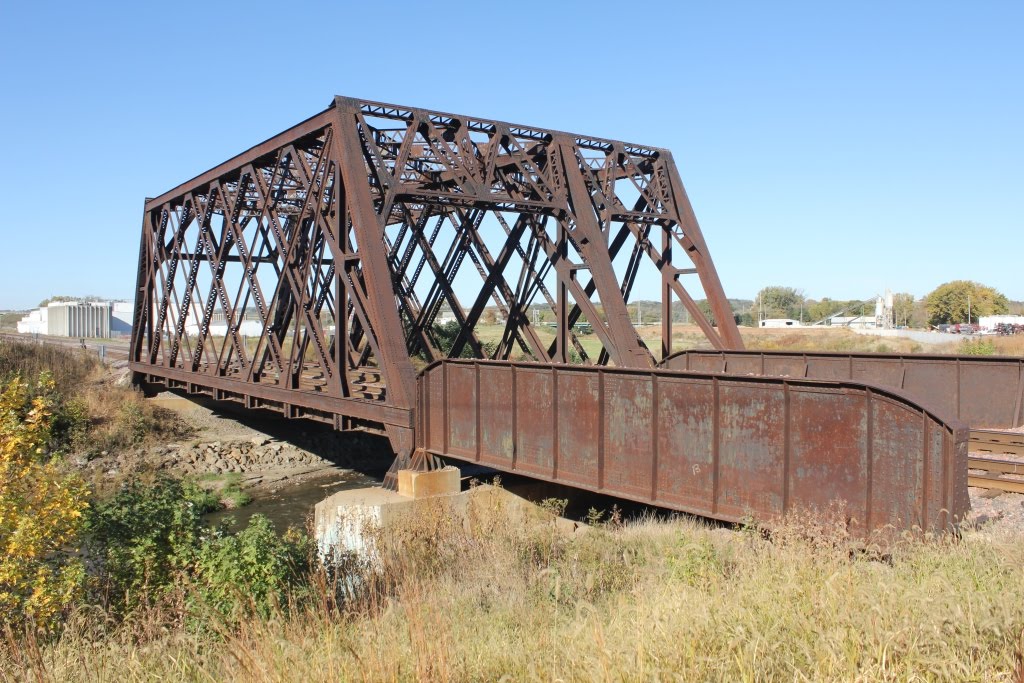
{"x":109,"y":350}
{"x":996,"y":442}
{"x":989,"y":472}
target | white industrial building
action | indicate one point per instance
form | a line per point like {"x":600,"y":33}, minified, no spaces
{"x":249,"y":326}
{"x":35,"y":322}
{"x":780,"y":322}
{"x":92,"y":319}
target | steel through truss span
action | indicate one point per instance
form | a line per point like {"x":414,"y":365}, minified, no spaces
{"x":310,"y":275}
{"x":343,"y":238}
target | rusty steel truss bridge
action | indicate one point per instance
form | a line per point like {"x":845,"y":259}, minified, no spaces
{"x":310,"y":275}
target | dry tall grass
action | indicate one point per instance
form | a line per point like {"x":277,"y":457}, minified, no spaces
{"x":97,"y":412}
{"x":654,"y":600}
{"x":69,"y":367}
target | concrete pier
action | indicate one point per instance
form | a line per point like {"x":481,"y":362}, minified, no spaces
{"x":346,"y":521}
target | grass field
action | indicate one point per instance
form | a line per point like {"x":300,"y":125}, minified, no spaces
{"x":651,"y":600}
{"x":9,"y":320}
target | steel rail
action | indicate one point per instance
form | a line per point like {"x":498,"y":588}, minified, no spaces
{"x":997,"y":442}
{"x":989,"y":473}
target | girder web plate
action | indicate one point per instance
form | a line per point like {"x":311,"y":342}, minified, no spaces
{"x":724,"y":447}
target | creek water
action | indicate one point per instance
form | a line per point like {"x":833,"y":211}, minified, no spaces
{"x":291,"y":503}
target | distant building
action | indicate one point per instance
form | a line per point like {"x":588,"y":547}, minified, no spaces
{"x":94,"y":319}
{"x":249,"y":326}
{"x":780,"y":322}
{"x":446,"y":315}
{"x":34,"y":322}
{"x":121,"y":317}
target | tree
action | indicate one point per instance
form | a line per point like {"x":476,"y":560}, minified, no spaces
{"x":41,"y":510}
{"x":950,"y":302}
{"x":903,"y":307}
{"x":778,"y":302}
{"x":489,"y":316}
{"x":820,"y":310}
{"x":59,"y":298}
{"x":705,"y":307}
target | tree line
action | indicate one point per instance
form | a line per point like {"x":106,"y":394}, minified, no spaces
{"x":958,"y":301}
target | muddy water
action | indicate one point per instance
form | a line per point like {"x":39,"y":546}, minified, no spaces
{"x":291,"y":503}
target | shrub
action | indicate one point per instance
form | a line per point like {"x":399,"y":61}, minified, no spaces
{"x":89,"y":414}
{"x":977,"y":347}
{"x":41,"y":510}
{"x":145,"y":536}
{"x":151,"y":540}
{"x":251,"y":571}
{"x":445,"y":335}
{"x":70,"y":424}
{"x":225,"y":490}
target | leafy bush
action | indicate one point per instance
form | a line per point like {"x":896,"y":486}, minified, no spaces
{"x":977,"y":347}
{"x":251,"y":571}
{"x":145,"y":537}
{"x":89,"y":415}
{"x":225,"y":489}
{"x":41,"y":510}
{"x":71,"y":424}
{"x":446,"y":334}
{"x":151,"y":540}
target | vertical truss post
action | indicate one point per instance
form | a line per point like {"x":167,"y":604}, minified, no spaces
{"x":395,"y":363}
{"x":666,"y":296}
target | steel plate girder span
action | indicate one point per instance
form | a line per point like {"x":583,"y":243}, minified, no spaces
{"x":985,"y":392}
{"x":720,"y":446}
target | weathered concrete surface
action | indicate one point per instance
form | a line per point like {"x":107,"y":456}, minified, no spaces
{"x":413,"y":484}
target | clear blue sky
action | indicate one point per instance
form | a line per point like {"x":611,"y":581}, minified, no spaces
{"x":840,"y":148}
